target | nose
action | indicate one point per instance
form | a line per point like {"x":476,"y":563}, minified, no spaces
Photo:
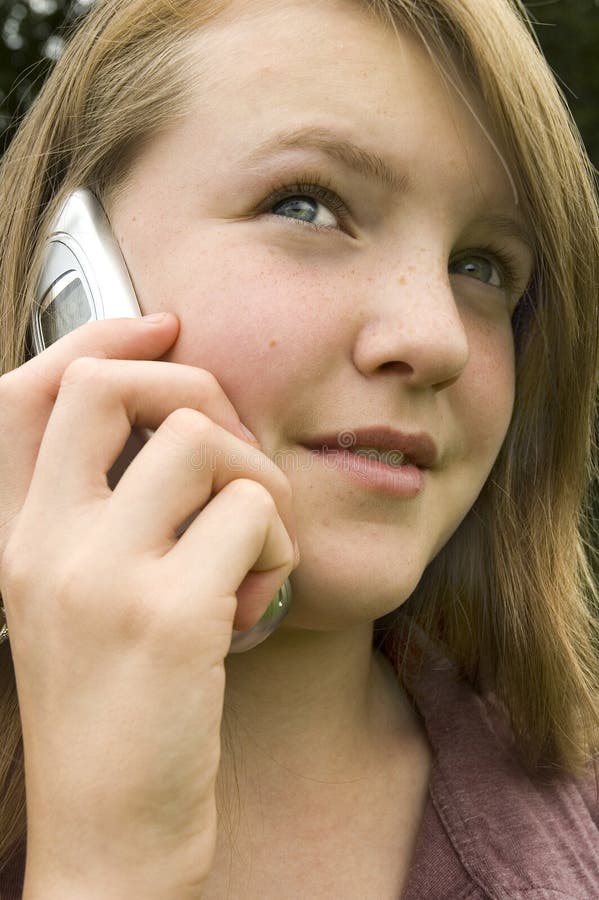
{"x":414,"y":328}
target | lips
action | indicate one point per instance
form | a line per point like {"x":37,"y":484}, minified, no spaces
{"x":418,"y":447}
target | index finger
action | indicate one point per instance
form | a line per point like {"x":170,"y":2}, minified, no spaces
{"x":147,"y":337}
{"x":28,"y":393}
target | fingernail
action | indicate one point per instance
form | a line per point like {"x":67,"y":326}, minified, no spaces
{"x":297,"y":552}
{"x":251,"y":437}
{"x":155,"y":318}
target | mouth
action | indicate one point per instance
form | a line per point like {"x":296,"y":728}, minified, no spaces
{"x":365,"y":469}
{"x":388,"y":457}
{"x":388,"y":446}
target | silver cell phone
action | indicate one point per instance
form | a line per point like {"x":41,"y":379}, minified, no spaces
{"x":84,"y":277}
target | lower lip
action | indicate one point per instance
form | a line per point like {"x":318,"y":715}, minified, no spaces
{"x":401,"y":481}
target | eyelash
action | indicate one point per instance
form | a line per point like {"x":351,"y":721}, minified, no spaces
{"x":507,"y":264}
{"x":313,"y":185}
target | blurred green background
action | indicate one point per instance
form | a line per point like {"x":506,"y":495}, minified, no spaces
{"x":31,"y":39}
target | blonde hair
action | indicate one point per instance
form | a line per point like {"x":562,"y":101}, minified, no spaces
{"x":512,"y":595}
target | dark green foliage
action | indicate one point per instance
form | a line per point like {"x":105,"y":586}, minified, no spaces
{"x":569,"y":34}
{"x":30,"y":39}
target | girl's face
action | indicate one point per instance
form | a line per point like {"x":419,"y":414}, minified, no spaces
{"x":364,"y":302}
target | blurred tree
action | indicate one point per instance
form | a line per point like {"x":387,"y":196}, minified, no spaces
{"x":568,"y":31}
{"x":31,"y":38}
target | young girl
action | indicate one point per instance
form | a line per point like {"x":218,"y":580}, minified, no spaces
{"x":373,"y":234}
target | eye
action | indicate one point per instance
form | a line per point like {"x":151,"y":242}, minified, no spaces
{"x":478,"y":267}
{"x":304,"y":208}
{"x":489,"y":265}
{"x":309,"y":203}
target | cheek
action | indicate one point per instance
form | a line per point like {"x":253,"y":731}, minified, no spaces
{"x":481,"y":405}
{"x":489,"y":389}
{"x":254,"y":321}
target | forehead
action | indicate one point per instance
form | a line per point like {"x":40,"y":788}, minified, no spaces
{"x":273,"y":67}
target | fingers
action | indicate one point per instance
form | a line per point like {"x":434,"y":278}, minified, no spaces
{"x":125,"y":338}
{"x":192,"y":456}
{"x":198,"y":463}
{"x":38,"y":380}
{"x":98,"y":403}
{"x":239,"y":529}
{"x":27,"y":394}
{"x":188,"y":460}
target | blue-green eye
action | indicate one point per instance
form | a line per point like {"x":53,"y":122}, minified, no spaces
{"x":479,"y":267}
{"x":306,"y":209}
{"x":306,"y":201}
{"x":494,"y":266}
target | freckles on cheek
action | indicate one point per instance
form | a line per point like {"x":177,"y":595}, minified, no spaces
{"x":246,"y":333}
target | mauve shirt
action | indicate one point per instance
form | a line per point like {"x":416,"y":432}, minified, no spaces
{"x":489,"y":830}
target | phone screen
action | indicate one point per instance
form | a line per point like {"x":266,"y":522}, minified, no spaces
{"x":67,"y":307}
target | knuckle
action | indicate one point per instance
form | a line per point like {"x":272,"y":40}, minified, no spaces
{"x":289,"y":560}
{"x":18,"y":391}
{"x":277,"y":480}
{"x":254,"y":496}
{"x":8,"y":387}
{"x":67,"y":579}
{"x":132,"y":622}
{"x":190,"y":425}
{"x":19,"y":387}
{"x":20,"y":574}
{"x":82,"y":370}
{"x":209,"y":383}
{"x":14,"y":570}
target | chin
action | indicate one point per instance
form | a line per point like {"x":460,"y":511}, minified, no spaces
{"x":341,"y":601}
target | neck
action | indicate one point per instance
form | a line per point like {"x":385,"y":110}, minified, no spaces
{"x":316,"y":705}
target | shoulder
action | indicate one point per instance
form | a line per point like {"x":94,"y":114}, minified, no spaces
{"x":514,"y":835}
{"x":588,"y":788}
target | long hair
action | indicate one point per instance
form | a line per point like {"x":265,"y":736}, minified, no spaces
{"x":512,"y":595}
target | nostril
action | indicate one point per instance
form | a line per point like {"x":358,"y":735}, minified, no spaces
{"x":397,"y":366}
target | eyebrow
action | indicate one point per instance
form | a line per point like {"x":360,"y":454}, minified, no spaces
{"x":358,"y":159}
{"x":369,"y":165}
{"x":509,"y":228}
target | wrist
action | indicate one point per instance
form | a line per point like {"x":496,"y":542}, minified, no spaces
{"x":52,"y":879}
{"x":44,"y":885}
{"x":116,"y":867}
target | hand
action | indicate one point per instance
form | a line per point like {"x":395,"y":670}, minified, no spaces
{"x":118,"y":629}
